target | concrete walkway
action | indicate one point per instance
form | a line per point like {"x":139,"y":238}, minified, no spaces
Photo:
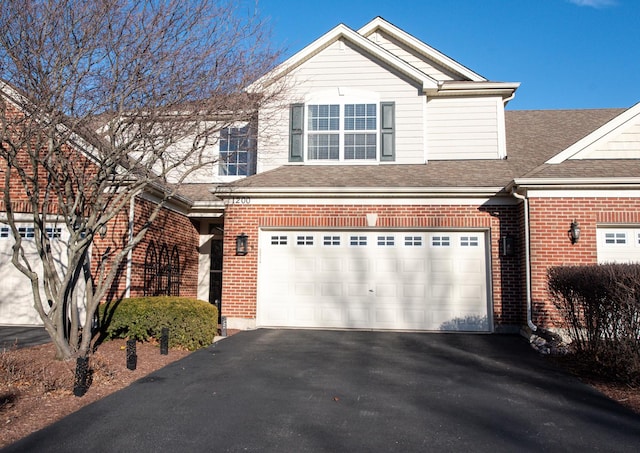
{"x":335,"y":391}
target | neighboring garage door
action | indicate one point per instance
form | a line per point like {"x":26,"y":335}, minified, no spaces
{"x":16,"y":297}
{"x":619,"y":245}
{"x":374,"y":280}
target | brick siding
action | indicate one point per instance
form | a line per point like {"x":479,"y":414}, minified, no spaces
{"x":550,"y":219}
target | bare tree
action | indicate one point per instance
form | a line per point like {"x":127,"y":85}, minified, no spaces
{"x":105,"y":99}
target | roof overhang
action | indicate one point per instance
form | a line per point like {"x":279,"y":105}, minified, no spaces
{"x":575,"y":183}
{"x":506,"y":90}
{"x":597,"y":136}
{"x":342,"y":32}
{"x":226,"y":193}
{"x":380,"y":24}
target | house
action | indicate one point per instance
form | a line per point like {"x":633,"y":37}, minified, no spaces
{"x":392,"y":190}
{"x":165,"y":262}
{"x":395,"y":192}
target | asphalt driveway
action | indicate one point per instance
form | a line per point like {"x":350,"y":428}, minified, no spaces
{"x":304,"y":391}
{"x":22,"y":337}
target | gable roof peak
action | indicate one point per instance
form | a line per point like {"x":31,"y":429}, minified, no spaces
{"x":341,"y":31}
{"x":380,"y":24}
{"x":624,"y":120}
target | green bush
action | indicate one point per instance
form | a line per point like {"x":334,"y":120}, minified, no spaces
{"x":192,"y":323}
{"x":600,"y":305}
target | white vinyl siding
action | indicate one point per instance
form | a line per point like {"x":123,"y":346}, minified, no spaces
{"x":623,"y":145}
{"x":334,"y":69}
{"x":465,"y":128}
{"x":412,"y":57}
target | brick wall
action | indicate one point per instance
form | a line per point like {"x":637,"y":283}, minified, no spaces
{"x":550,"y":219}
{"x":240,"y":272}
{"x":169,"y":229}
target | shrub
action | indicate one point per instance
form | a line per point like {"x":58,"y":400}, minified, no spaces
{"x":192,"y":323}
{"x":600,"y":305}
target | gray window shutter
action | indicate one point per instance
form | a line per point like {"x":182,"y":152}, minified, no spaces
{"x":296,"y":133}
{"x":387,"y":131}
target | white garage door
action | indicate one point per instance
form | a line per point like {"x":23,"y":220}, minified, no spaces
{"x":374,"y":280}
{"x":619,"y":245}
{"x":16,"y":298}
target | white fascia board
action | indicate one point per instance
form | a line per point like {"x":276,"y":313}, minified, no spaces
{"x":596,"y":136}
{"x":359,"y":192}
{"x":380,"y":24}
{"x":577,"y":183}
{"x":358,"y":201}
{"x":454,"y":88}
{"x":343,"y":32}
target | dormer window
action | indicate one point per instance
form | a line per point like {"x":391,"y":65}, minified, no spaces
{"x":342,"y":132}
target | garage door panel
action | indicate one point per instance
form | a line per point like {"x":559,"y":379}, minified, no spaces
{"x":331,"y":264}
{"x":386,"y":265}
{"x":304,"y":264}
{"x":386,"y":290}
{"x":358,"y":265}
{"x":397,"y":280}
{"x":358,"y":316}
{"x":357,"y":289}
{"x":439,"y":267}
{"x":413,"y":291}
{"x":16,"y":297}
{"x":331,"y":290}
{"x":300,"y":289}
{"x":410,"y":266}
{"x":618,"y":245}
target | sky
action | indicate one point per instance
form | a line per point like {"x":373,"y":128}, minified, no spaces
{"x":567,"y":54}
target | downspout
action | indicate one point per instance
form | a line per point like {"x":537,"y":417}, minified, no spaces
{"x":527,"y":253}
{"x":132,"y":209}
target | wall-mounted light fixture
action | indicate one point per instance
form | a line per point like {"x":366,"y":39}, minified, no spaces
{"x":574,"y":232}
{"x":508,"y":245}
{"x":242,"y":244}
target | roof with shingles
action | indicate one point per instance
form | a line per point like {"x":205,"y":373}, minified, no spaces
{"x":533,"y":136}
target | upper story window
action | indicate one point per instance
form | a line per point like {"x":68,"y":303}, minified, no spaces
{"x":237,"y":152}
{"x":342,"y":132}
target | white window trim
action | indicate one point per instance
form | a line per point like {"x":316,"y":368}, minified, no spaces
{"x":342,"y":97}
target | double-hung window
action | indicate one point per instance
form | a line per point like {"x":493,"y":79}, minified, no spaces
{"x":342,"y":132}
{"x":324,"y":132}
{"x":237,"y":152}
{"x":360,"y":131}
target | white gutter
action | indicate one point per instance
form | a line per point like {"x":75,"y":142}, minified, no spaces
{"x":565,"y":183}
{"x":360,"y":192}
{"x":132,"y":206}
{"x":527,"y":252}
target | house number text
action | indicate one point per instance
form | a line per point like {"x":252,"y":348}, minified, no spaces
{"x":239,"y":200}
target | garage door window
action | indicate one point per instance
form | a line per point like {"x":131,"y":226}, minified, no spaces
{"x":331,"y":240}
{"x":386,"y":241}
{"x":30,"y":233}
{"x":440,"y":241}
{"x":278,"y":240}
{"x":358,"y":241}
{"x":413,"y":241}
{"x":468,"y":241}
{"x":304,"y":240}
{"x":615,"y":238}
